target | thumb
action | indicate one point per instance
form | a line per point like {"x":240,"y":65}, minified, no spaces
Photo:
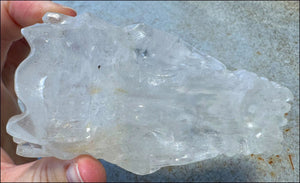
{"x":83,"y":168}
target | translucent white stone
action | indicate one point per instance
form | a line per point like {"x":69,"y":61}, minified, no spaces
{"x":137,"y":97}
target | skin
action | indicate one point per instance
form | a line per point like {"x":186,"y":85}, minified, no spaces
{"x":14,"y":48}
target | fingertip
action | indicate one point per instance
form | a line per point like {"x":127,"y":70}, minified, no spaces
{"x":69,"y":11}
{"x":64,"y":9}
{"x":90,"y":169}
{"x":26,"y":13}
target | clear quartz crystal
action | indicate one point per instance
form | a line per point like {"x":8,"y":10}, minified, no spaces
{"x":137,"y":97}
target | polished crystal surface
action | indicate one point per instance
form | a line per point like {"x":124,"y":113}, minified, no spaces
{"x":137,"y":97}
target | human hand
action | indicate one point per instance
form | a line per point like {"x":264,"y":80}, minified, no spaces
{"x":14,"y":16}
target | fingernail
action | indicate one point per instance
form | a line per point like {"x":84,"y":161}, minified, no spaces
{"x":73,"y":174}
{"x":71,"y":10}
{"x":67,"y":10}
